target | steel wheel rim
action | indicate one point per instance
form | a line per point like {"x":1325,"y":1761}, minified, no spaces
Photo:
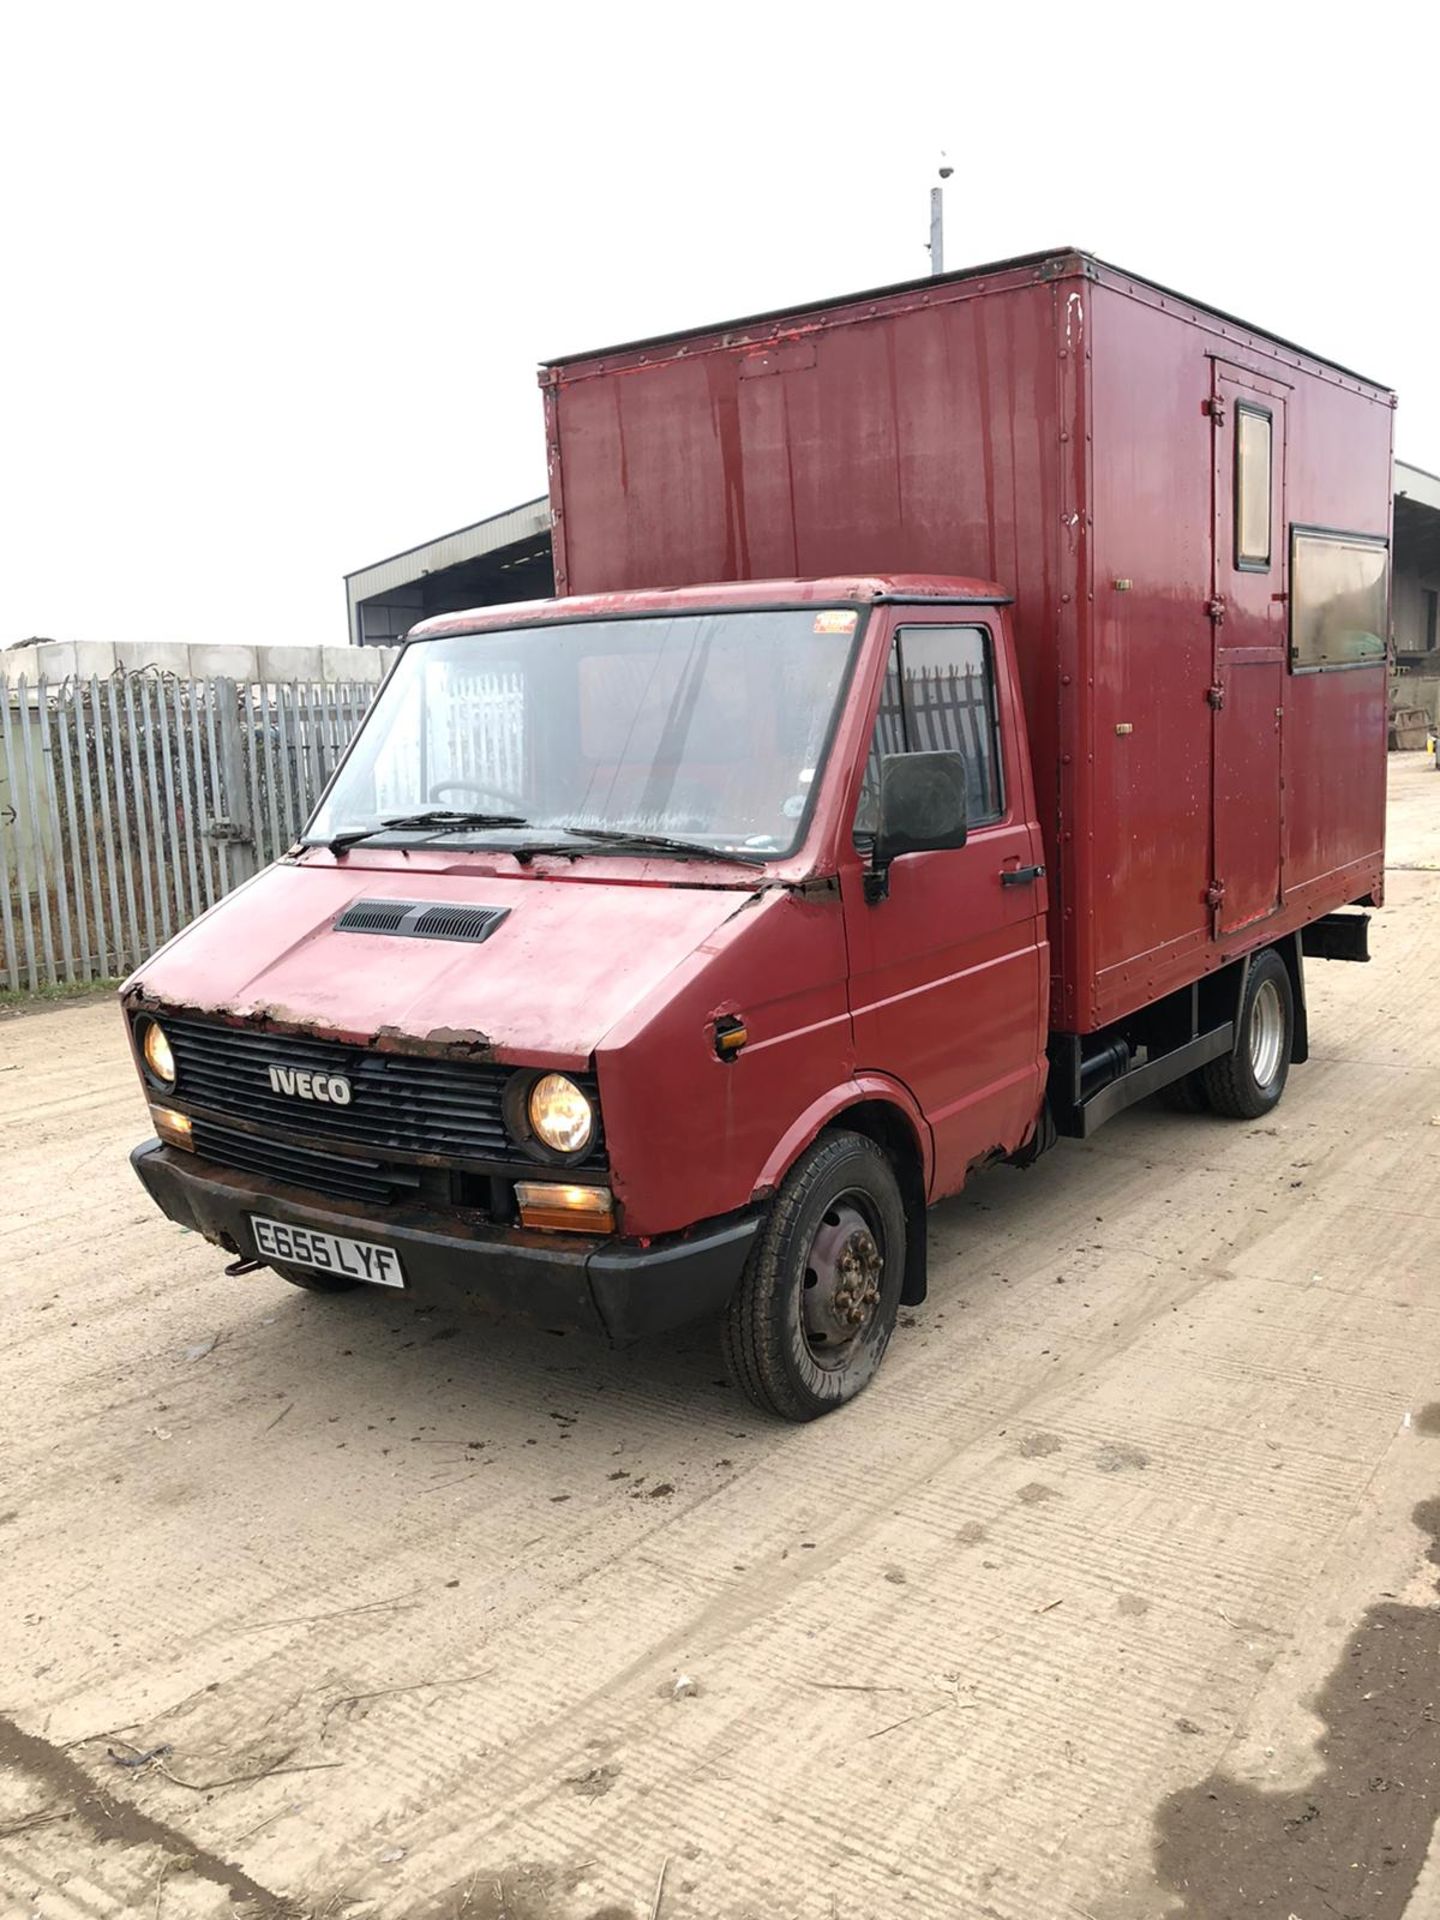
{"x":842,"y":1279}
{"x":1267,"y":1033}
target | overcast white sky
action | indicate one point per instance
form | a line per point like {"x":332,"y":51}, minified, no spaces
{"x":276,"y":278}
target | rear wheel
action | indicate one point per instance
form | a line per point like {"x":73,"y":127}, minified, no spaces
{"x":1185,"y":1095}
{"x":1249,"y":1081}
{"x":812,"y":1316}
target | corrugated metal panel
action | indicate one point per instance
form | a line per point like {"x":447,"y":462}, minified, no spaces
{"x":529,"y":521}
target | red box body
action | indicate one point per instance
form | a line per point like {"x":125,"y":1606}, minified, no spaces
{"x":1060,"y":427}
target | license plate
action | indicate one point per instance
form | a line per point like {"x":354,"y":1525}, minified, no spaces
{"x":327,"y":1252}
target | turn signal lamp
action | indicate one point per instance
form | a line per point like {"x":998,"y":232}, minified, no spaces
{"x":173,"y":1128}
{"x":561,"y":1209}
{"x":731,"y":1034}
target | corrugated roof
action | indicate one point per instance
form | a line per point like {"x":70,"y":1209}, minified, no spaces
{"x":1414,"y":483}
{"x":529,"y":521}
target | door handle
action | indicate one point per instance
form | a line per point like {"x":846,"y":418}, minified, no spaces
{"x":1020,"y":876}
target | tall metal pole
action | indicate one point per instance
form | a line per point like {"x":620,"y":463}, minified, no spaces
{"x":937,"y":229}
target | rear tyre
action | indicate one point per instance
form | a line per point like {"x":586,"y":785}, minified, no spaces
{"x":1249,"y":1081}
{"x":315,"y":1282}
{"x":809,"y":1323}
{"x":1185,"y":1095}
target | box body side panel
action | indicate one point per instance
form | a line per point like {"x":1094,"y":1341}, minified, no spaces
{"x":1163,"y":514}
{"x":1144,"y":863}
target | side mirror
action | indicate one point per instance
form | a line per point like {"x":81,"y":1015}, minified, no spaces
{"x":922,"y":810}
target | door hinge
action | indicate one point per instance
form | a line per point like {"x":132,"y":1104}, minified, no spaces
{"x":1216,"y":696}
{"x":1214,"y":893}
{"x":1215,"y":407}
{"x":1215,"y":607}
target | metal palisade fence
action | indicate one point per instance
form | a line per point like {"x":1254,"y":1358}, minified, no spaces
{"x":130,"y":804}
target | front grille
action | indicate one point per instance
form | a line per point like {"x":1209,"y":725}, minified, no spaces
{"x":294,"y":1166}
{"x":401,"y":1104}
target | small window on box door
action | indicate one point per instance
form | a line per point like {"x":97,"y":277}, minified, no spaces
{"x":1253,"y":455}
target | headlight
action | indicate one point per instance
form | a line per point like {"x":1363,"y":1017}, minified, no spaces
{"x":155,"y":1049}
{"x":560,"y":1114}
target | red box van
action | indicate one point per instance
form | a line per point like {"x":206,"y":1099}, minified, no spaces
{"x":1008,"y":730}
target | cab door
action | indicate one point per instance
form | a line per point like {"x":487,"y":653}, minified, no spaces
{"x":949,"y":970}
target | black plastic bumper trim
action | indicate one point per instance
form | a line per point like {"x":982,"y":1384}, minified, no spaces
{"x":616,"y":1287}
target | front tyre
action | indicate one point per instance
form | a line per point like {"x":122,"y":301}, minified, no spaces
{"x":1249,"y":1081}
{"x":809,"y":1323}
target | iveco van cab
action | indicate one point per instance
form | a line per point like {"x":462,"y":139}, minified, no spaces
{"x":661,"y":955}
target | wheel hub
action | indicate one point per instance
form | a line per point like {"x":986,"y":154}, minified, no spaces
{"x":843,"y":1276}
{"x":1267,"y":1033}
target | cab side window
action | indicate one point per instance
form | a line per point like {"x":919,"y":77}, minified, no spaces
{"x":939,"y":696}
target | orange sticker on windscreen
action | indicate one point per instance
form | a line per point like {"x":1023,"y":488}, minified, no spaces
{"x":836,"y":620}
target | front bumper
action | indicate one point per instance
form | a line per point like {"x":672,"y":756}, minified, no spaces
{"x":612,"y":1286}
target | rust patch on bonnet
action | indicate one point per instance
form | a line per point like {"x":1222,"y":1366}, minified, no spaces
{"x":460,"y":1043}
{"x":268,"y":1019}
{"x":451,"y":1043}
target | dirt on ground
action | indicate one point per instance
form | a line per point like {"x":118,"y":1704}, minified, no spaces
{"x":1115,"y":1597}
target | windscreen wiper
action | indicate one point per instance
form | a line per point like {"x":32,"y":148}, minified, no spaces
{"x":438,"y":820}
{"x":623,"y":838}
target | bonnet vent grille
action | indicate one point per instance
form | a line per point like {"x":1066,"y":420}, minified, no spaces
{"x":421,"y":919}
{"x":456,"y":923}
{"x":374,"y":916}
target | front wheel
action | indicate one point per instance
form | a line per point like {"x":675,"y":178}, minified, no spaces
{"x":809,"y":1323}
{"x":1249,"y":1081}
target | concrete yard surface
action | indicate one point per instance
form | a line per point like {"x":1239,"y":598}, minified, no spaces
{"x":1114,"y":1598}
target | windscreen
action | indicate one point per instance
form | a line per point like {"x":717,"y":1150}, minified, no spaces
{"x":710,"y":728}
